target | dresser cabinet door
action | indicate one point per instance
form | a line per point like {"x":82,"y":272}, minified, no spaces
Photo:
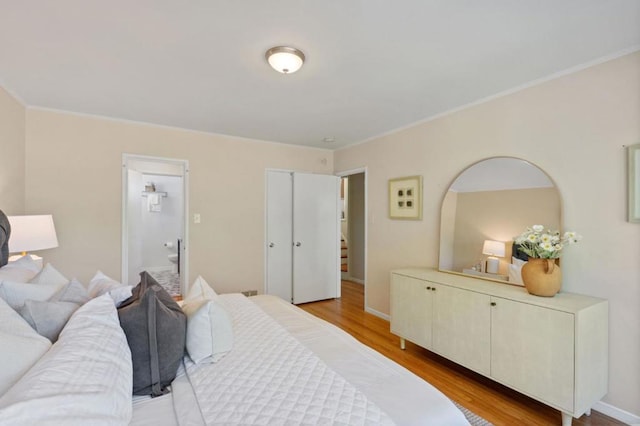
{"x":532,"y":350}
{"x":411,"y":309}
{"x":461,"y":327}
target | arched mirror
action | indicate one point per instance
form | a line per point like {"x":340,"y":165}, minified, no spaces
{"x":486,"y":207}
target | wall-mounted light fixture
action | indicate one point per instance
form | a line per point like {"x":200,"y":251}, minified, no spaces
{"x":285,"y":59}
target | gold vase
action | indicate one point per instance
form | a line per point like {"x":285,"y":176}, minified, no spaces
{"x":542,"y":277}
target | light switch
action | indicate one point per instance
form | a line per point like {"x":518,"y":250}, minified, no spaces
{"x":196,"y":218}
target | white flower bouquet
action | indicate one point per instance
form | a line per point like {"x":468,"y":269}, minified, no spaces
{"x":539,"y":243}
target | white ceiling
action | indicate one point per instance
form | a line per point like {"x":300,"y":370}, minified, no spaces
{"x":372,"y":65}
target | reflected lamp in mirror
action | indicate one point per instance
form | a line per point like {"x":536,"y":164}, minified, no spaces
{"x":495,"y":198}
{"x":493,"y":249}
{"x":32,"y":233}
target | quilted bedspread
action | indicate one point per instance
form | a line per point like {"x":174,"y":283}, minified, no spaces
{"x":270,"y":378}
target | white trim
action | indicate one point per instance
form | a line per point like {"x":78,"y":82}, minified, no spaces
{"x":124,"y":234}
{"x":617,"y":413}
{"x":124,"y":245}
{"x":13,"y":94}
{"x":174,"y":128}
{"x":377,"y":313}
{"x":506,"y":92}
{"x":501,"y":94}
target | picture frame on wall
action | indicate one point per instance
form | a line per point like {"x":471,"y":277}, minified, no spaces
{"x":633,"y":154}
{"x":405,"y":198}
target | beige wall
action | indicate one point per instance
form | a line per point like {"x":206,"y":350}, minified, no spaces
{"x":499,"y":216}
{"x":74,"y":172}
{"x":574,"y":128}
{"x":12,"y":154}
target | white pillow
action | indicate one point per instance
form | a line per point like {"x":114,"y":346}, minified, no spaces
{"x":101,"y":284}
{"x":24,"y":262}
{"x":84,"y":379}
{"x":49,"y":275}
{"x":200,"y":289}
{"x":21,"y":347}
{"x":209,"y":330}
{"x":517,"y":262}
{"x":515,"y":274}
{"x":15,"y":294}
{"x":16,"y":274}
{"x":21,"y":270}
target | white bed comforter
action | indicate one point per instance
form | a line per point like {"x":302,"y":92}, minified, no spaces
{"x":270,"y":378}
{"x":404,"y":397}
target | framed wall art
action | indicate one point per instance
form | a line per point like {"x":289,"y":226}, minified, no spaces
{"x":405,"y":198}
{"x":633,"y":152}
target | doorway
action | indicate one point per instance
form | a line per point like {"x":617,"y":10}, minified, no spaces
{"x":353,"y":226}
{"x":154,"y":221}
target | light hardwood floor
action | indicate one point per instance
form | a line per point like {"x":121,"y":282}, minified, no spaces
{"x":496,"y":403}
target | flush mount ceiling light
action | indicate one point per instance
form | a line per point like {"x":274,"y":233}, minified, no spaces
{"x":286,"y":60}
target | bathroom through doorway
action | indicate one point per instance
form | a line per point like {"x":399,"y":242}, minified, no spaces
{"x":154,"y":221}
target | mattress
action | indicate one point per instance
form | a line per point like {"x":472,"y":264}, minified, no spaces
{"x":402,"y":396}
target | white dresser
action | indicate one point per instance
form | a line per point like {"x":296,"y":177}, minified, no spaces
{"x":553,"y":349}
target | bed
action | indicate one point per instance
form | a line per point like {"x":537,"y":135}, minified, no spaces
{"x":405,"y":398}
{"x":260,"y":361}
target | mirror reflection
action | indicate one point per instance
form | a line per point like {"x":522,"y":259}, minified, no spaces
{"x":486,"y":206}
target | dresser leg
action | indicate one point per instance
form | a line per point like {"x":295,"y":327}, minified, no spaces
{"x":566,"y":419}
{"x":402,"y":344}
{"x":588,"y":412}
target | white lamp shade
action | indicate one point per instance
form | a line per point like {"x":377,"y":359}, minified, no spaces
{"x":284,"y":59}
{"x":31,"y":233}
{"x":493,"y":248}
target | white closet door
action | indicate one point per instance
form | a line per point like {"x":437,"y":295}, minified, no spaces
{"x":279,"y":234}
{"x":316,"y":263}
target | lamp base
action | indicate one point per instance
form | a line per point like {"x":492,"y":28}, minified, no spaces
{"x":37,"y":259}
{"x":492,"y":265}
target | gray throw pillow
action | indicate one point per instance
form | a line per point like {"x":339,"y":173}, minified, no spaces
{"x":73,"y":292}
{"x":5,"y":233}
{"x":47,"y":318}
{"x":156,"y":329}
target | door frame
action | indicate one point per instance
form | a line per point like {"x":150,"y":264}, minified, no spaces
{"x":184,"y":271}
{"x":347,"y":173}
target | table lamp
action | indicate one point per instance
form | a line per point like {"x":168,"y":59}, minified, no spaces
{"x":493,"y":249}
{"x":32,"y":233}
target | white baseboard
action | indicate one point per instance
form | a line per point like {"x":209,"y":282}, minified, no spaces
{"x":617,"y":413}
{"x":355,"y":280}
{"x":377,"y":313}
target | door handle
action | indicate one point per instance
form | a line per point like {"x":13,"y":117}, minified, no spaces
{"x":271,"y":245}
{"x":298,"y":243}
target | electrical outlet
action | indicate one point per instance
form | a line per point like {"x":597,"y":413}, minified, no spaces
{"x":196,"y":218}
